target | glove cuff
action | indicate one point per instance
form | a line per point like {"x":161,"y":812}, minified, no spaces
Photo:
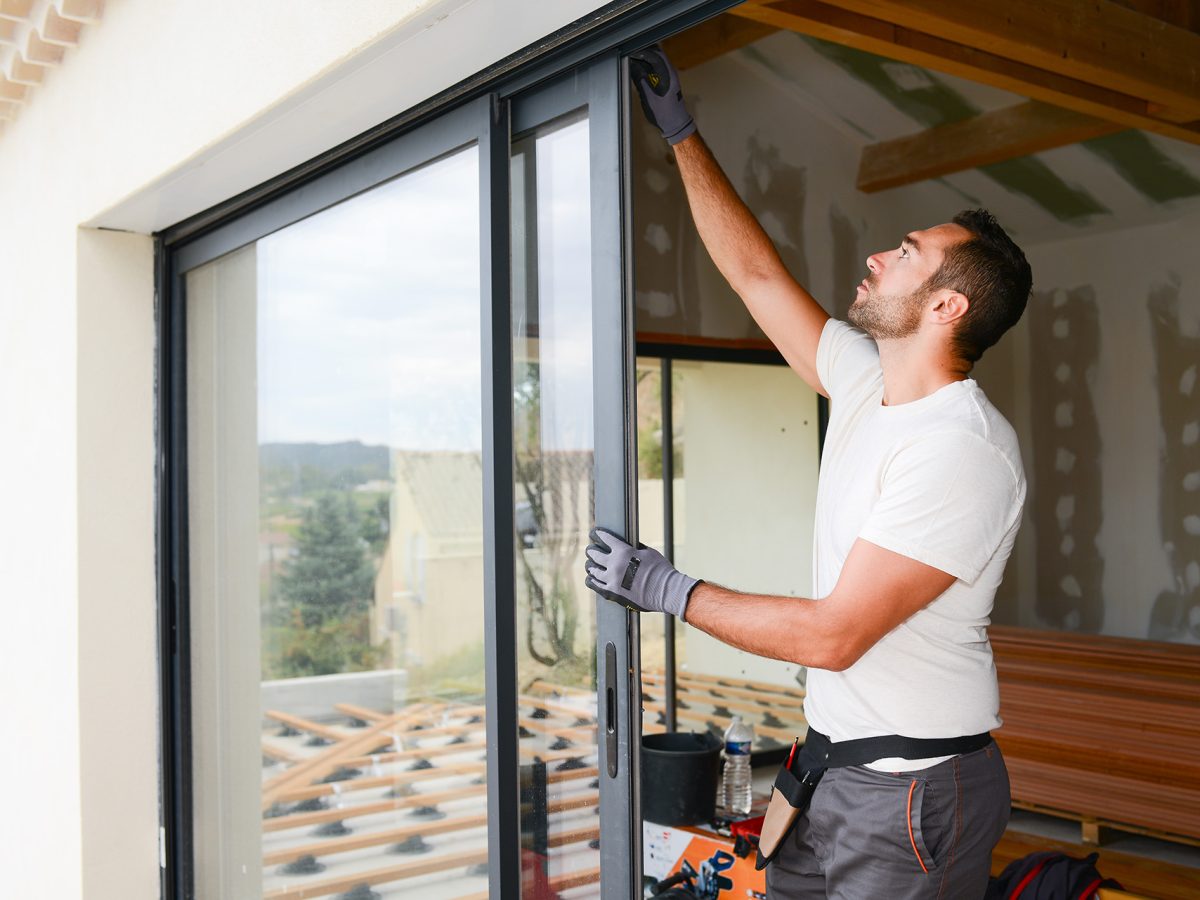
{"x":688,"y":129}
{"x":688,"y":585}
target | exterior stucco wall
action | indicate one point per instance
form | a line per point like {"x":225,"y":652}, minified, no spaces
{"x":163,"y":110}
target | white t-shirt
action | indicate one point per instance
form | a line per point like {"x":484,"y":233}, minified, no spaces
{"x":938,"y":480}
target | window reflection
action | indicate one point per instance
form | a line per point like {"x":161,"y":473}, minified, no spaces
{"x":554,"y":495}
{"x":335,"y":491}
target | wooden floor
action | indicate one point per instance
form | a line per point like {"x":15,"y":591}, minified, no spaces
{"x":1138,"y":875}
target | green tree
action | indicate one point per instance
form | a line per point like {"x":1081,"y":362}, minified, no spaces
{"x":377,"y":523}
{"x":336,"y":645}
{"x":322,"y":625}
{"x":330,"y":575}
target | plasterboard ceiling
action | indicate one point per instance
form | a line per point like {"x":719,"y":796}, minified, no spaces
{"x":1123,"y":179}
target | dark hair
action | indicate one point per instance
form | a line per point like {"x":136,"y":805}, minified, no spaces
{"x":992,"y":272}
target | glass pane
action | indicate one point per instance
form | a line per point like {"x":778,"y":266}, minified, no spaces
{"x":552,"y":410}
{"x":746,"y":452}
{"x":336,"y":551}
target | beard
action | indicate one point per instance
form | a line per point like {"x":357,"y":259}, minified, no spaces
{"x":888,"y":317}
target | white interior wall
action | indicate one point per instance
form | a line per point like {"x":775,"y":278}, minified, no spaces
{"x":163,"y":110}
{"x":750,"y":460}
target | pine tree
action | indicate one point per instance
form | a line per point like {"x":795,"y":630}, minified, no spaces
{"x":330,"y":578}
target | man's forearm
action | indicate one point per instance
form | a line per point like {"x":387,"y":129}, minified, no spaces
{"x":732,"y":235}
{"x":793,"y":629}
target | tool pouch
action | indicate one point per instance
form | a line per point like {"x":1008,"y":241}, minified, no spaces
{"x":790,"y":797}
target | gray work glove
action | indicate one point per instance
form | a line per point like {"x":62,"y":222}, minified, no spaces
{"x":638,"y":577}
{"x":657,"y":85}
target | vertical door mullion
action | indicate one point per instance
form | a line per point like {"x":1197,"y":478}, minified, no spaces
{"x":500,"y":605}
{"x":617,"y":661}
{"x":668,"y":469}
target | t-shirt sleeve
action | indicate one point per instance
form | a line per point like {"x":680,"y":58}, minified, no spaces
{"x":946,"y":500}
{"x":844,"y":355}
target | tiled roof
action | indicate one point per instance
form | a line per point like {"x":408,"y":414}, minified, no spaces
{"x":34,"y":36}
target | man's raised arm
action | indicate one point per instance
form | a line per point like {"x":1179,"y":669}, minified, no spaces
{"x":737,"y":243}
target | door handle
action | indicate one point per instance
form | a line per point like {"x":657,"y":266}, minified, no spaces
{"x":610,"y":707}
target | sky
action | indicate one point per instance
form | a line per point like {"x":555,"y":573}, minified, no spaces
{"x":368,"y":312}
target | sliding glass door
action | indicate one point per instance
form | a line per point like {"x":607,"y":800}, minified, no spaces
{"x":400,"y":401}
{"x":337,"y":538}
{"x":571,"y":378}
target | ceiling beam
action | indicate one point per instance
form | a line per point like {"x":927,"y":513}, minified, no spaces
{"x":712,"y":38}
{"x":1100,"y":42}
{"x":11,"y":90}
{"x":1184,"y":13}
{"x":979,"y":141}
{"x":841,"y":26}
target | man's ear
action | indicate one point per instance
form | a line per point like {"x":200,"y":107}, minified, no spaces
{"x":948,"y":307}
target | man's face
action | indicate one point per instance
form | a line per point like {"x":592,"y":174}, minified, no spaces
{"x":890,"y":302}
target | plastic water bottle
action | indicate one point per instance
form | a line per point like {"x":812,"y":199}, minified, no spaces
{"x":735,"y":780}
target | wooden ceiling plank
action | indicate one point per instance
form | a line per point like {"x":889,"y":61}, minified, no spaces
{"x":23,"y":72}
{"x":1184,"y":13}
{"x":86,"y":11}
{"x":11,"y":90}
{"x":841,"y":26}
{"x":15,"y":9}
{"x":1100,"y":42}
{"x":41,"y":52}
{"x":57,"y":30}
{"x":712,"y":38}
{"x":992,"y":137}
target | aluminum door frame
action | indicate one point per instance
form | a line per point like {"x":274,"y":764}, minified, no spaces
{"x":600,"y":86}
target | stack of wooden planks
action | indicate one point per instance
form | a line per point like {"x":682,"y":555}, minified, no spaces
{"x":1102,"y":729}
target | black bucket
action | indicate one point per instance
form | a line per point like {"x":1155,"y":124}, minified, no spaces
{"x":680,"y":770}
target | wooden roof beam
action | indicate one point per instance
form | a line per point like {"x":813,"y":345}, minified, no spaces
{"x":1183,"y":13}
{"x":15,"y":9}
{"x":988,"y":138}
{"x":841,"y":26}
{"x":712,"y":38}
{"x":11,"y":90}
{"x":1099,"y":42}
{"x":20,"y":71}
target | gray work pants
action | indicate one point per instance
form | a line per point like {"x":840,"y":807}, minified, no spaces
{"x":906,"y":836}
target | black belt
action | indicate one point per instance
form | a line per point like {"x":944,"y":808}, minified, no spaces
{"x":819,"y":752}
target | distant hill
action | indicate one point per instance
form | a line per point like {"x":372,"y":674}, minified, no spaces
{"x":339,"y":465}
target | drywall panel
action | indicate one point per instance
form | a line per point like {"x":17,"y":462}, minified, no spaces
{"x":1110,"y":424}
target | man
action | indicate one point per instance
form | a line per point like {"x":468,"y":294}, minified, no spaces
{"x":919,"y":501}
